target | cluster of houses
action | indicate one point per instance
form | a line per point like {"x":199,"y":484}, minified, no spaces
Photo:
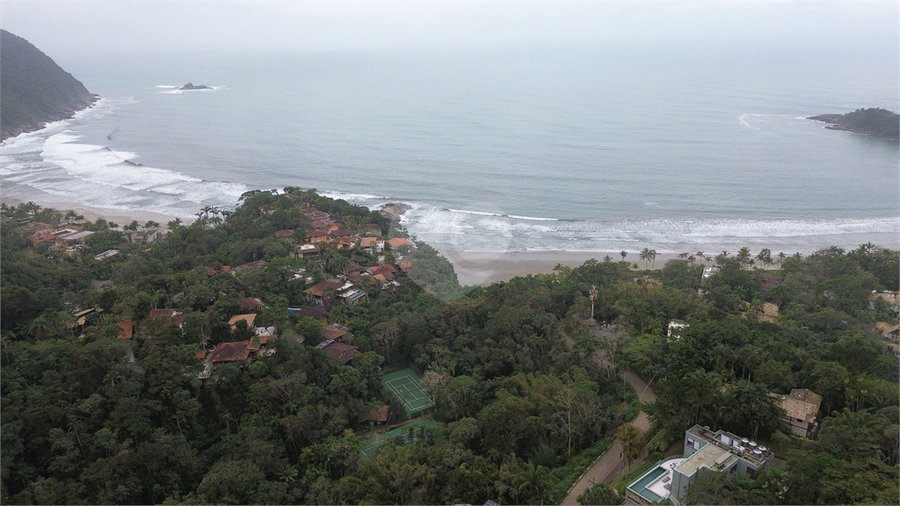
{"x":260,"y":344}
{"x":327,"y":233}
{"x":68,"y":239}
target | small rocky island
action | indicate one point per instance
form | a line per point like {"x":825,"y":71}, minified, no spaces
{"x":876,"y":122}
{"x":191,"y":87}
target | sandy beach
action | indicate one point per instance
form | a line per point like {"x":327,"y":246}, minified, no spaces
{"x":484,"y":268}
{"x":92,"y":213}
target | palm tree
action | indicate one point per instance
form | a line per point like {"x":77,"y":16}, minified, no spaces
{"x":652,"y":256}
{"x":645,"y":255}
{"x":743,"y":256}
{"x":624,"y":254}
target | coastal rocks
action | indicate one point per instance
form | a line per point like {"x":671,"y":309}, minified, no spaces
{"x":191,"y":87}
{"x":393,"y":211}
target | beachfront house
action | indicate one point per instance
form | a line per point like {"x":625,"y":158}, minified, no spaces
{"x":704,"y":450}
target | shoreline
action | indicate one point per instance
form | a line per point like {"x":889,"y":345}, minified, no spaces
{"x":484,"y":268}
{"x":91,"y":213}
{"x":473,"y":268}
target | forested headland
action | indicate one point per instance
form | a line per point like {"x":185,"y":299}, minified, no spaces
{"x":34,"y":90}
{"x":876,"y":122}
{"x":94,"y":414}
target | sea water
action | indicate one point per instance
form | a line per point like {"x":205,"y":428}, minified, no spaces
{"x":534,"y":149}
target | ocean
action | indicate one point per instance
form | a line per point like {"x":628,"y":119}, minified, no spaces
{"x":529,"y":149}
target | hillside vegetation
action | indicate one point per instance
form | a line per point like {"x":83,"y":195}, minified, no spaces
{"x":876,"y":122}
{"x":521,"y":407}
{"x":34,"y":90}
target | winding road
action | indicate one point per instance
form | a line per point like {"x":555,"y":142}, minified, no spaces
{"x":610,"y":464}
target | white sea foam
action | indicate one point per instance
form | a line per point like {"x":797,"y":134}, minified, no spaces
{"x":743,"y":118}
{"x":493,"y":232}
{"x":60,"y":165}
{"x":353,"y":197}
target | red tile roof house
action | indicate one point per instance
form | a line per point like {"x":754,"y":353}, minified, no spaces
{"x":248,"y":318}
{"x":317,"y":236}
{"x":400,"y":241}
{"x":404,"y":265}
{"x":385,"y":270}
{"x":127,"y":327}
{"x":284,"y":234}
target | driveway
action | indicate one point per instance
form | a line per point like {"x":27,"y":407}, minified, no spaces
{"x":610,"y":464}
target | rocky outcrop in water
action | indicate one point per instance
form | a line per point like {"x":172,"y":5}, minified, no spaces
{"x":394,"y":211}
{"x":191,"y":87}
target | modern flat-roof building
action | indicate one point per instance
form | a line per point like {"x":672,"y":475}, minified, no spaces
{"x":720,"y":451}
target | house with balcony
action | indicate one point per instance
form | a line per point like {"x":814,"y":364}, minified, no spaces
{"x":801,"y":411}
{"x":704,"y":450}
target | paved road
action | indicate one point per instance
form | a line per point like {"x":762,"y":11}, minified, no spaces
{"x":607,"y":466}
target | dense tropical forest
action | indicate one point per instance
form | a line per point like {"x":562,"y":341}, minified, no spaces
{"x":92,"y":413}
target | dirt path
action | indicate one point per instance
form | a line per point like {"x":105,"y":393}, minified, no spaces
{"x":608,"y":466}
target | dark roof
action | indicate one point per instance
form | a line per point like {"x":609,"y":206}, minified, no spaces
{"x":320,"y":288}
{"x":342,"y":352}
{"x":333,"y":332}
{"x":229,"y":352}
{"x":250,"y":303}
{"x":160,"y":313}
{"x":284,"y":234}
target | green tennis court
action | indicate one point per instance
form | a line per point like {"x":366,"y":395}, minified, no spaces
{"x":406,"y":434}
{"x":409,"y":390}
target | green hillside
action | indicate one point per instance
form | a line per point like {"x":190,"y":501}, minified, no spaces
{"x":876,"y":122}
{"x":33,"y":88}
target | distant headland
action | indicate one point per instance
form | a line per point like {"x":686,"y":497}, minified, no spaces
{"x":876,"y":122}
{"x":192,"y":87}
{"x":35,"y":90}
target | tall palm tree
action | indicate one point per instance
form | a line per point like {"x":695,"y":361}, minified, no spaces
{"x":645,"y":255}
{"x":652,"y":256}
{"x":624,"y":254}
{"x":743,"y":256}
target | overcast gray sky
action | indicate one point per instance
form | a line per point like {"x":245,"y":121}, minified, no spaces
{"x":73,"y":27}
